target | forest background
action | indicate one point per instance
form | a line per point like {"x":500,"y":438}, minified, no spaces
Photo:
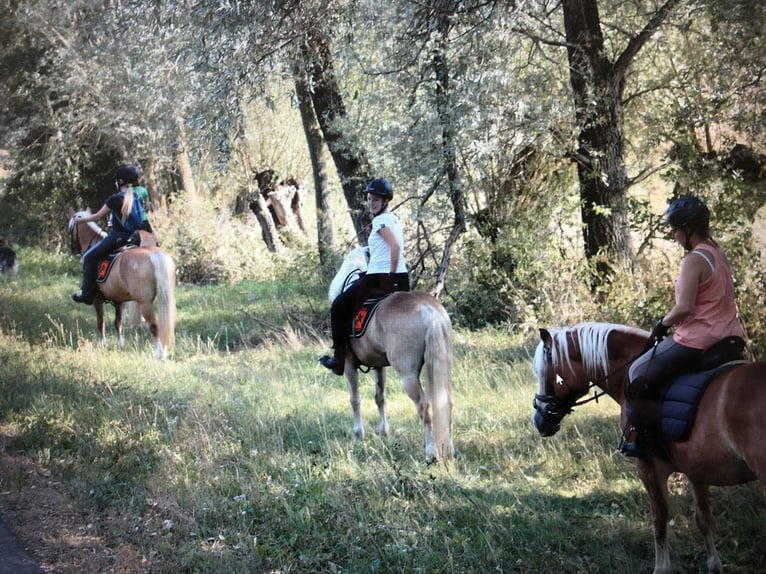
{"x":533,"y":146}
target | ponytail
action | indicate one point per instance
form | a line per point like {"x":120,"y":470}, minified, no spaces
{"x":127,"y":203}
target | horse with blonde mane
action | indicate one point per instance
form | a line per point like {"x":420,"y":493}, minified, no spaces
{"x":140,"y":274}
{"x":723,"y":447}
{"x":411,"y":332}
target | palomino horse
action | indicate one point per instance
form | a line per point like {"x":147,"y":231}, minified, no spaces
{"x":724,"y":447}
{"x":411,"y":332}
{"x":138,"y":274}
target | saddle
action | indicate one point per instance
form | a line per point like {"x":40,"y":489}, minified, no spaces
{"x":682,"y":395}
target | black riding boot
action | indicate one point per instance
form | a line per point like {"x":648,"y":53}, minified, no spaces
{"x":87,"y":288}
{"x":645,"y":416}
{"x":635,"y":444}
{"x":336,"y":363}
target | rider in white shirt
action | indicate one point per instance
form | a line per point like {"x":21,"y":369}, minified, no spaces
{"x":386,"y":271}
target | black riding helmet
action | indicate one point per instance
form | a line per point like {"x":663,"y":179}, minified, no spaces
{"x":689,"y":214}
{"x":380,"y":187}
{"x":127,"y":174}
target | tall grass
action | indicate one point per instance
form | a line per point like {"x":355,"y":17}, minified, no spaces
{"x":237,"y":455}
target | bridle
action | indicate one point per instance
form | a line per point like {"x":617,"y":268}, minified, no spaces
{"x":550,"y":408}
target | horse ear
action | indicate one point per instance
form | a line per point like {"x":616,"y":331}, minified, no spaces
{"x":545,"y":335}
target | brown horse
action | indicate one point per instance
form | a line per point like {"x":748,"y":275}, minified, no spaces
{"x":139,"y":274}
{"x":725,"y":446}
{"x":411,"y":332}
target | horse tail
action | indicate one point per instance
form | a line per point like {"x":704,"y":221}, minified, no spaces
{"x":165,"y":276}
{"x":438,"y":375}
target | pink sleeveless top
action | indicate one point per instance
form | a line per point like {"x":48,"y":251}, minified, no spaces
{"x":714,"y":316}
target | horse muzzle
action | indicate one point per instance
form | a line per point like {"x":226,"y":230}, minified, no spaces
{"x":547,"y":416}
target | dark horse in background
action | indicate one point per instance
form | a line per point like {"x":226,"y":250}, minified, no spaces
{"x":9,"y":265}
{"x":139,"y":274}
{"x":410,"y":331}
{"x":725,"y":445}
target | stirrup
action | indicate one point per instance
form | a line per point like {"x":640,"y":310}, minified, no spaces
{"x":636,"y":448}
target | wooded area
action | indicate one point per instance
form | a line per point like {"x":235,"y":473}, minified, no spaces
{"x":532,"y":146}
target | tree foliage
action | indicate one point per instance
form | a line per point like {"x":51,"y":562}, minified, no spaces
{"x":467,"y":107}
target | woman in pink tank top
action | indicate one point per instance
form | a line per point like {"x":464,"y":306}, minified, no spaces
{"x":704,"y":313}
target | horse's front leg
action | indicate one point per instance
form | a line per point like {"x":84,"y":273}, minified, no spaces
{"x":98,"y":304}
{"x":704,"y":521}
{"x":379,"y":375}
{"x":352,"y":376}
{"x":118,"y":324}
{"x":656,"y":485}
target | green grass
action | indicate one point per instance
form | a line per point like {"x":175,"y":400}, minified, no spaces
{"x":237,"y":455}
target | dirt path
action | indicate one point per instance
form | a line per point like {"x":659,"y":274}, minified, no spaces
{"x":13,"y":558}
{"x":41,"y":531}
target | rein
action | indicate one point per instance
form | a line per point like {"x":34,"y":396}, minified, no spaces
{"x":77,"y":243}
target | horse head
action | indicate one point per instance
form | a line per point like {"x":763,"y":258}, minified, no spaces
{"x":353,"y":266}
{"x":549,"y":404}
{"x":81,"y":239}
{"x":570,"y":362}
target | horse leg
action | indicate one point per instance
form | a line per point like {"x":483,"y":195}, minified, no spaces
{"x":147,"y":312}
{"x":380,"y":399}
{"x":352,"y":376}
{"x":413,"y":388}
{"x":656,"y":485}
{"x":704,"y":521}
{"x":98,"y":304}
{"x":118,"y":324}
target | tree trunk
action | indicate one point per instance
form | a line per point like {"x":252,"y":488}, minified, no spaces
{"x":266,"y":221}
{"x":184,"y":164}
{"x":350,"y":162}
{"x":445,"y":111}
{"x":316,"y":145}
{"x":597,"y":87}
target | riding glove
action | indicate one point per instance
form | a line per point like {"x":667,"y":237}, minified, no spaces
{"x":660,"y":331}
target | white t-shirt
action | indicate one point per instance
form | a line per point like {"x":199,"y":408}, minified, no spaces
{"x":380,"y":253}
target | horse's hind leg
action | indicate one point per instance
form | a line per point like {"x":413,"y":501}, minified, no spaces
{"x":413,"y":388}
{"x":118,"y":324}
{"x":704,"y":521}
{"x":147,"y":312}
{"x":380,"y":400}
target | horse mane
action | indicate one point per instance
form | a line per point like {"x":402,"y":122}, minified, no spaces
{"x":591,"y":338}
{"x":355,"y":261}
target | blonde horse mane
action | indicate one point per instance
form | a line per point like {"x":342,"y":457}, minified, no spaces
{"x":592,"y":339}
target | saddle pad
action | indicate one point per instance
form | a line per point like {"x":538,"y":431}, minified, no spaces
{"x":680,"y":400}
{"x":105,"y":266}
{"x":363,"y":316}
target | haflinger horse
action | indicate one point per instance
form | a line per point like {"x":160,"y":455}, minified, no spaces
{"x":724,"y":447}
{"x":140,"y":274}
{"x":411,"y":332}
